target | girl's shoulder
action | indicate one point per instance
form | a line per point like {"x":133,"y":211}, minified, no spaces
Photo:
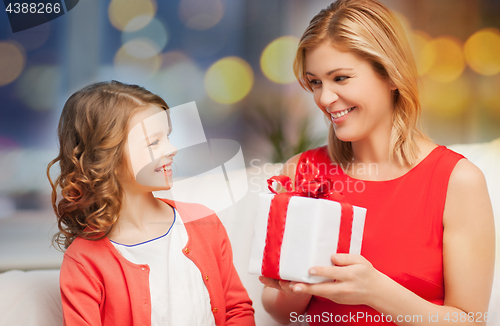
{"x":190,"y":212}
{"x":82,"y":250}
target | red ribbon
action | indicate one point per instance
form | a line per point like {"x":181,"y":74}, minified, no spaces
{"x":311,"y":185}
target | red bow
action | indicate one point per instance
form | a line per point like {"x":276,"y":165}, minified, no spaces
{"x":310,"y":185}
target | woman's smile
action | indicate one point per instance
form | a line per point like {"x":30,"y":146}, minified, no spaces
{"x":341,"y":115}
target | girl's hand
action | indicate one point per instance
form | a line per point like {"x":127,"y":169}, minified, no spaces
{"x":283,"y":286}
{"x":353,"y":281}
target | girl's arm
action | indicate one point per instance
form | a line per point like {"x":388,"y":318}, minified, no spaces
{"x":277,"y":297}
{"x":468,"y":258}
{"x":80,"y":294}
{"x":239,"y":311}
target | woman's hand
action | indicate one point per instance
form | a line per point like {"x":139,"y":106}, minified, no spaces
{"x":280,"y":301}
{"x":353,"y":280}
{"x":283,"y":286}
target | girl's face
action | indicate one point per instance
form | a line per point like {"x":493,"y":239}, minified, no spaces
{"x":148,"y":152}
{"x":352,"y":95}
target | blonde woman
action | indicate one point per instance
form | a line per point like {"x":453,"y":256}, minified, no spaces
{"x":133,"y":259}
{"x":428,"y":248}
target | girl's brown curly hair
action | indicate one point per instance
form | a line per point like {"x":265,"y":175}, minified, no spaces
{"x":92,"y":131}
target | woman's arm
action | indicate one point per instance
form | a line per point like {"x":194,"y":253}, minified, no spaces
{"x":277,"y":297}
{"x":468,"y":258}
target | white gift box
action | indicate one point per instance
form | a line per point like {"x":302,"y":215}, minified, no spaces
{"x":310,"y":238}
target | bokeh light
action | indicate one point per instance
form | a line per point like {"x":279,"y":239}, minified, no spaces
{"x":449,"y":61}
{"x":179,"y":81}
{"x":229,"y":80}
{"x":142,"y":63}
{"x":201,"y":14}
{"x":131,"y":14}
{"x":203,"y":44}
{"x":446,"y":100}
{"x":489,"y":95}
{"x":423,"y":59}
{"x":39,"y":87}
{"x":34,"y":37}
{"x":174,"y":57}
{"x":155,"y":34}
{"x":6,"y":142}
{"x":277,"y":58}
{"x":12,"y":61}
{"x":482,"y":51}
{"x":141,"y":48}
{"x":405,"y":22}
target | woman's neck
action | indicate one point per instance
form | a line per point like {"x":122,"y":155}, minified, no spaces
{"x":373,"y":149}
{"x":371,"y":159}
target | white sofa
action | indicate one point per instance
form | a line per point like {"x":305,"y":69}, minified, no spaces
{"x":32,"y":298}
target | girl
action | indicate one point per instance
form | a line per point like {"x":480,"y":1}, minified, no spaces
{"x":428,"y":248}
{"x":133,"y":259}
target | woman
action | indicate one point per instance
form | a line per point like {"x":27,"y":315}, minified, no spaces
{"x":131,"y":258}
{"x":428,"y":248}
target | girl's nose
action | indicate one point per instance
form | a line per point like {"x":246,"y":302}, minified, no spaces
{"x":169,"y":149}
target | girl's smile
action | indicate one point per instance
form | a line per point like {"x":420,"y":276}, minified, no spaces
{"x":166,"y":169}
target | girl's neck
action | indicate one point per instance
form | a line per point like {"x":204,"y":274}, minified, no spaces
{"x":142,"y":217}
{"x":138,"y":208}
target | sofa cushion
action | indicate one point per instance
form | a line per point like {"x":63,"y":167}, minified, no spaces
{"x":30,"y":298}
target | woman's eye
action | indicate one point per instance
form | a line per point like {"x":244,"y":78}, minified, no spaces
{"x":341,"y":78}
{"x":314,"y":82}
{"x":154,"y":143}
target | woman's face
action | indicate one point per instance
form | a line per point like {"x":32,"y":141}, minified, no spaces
{"x":352,"y":95}
{"x":148,"y":151}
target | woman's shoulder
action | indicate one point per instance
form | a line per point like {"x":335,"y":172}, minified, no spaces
{"x":468,"y":201}
{"x":466,"y":175}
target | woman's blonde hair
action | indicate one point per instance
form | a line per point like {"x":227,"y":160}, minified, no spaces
{"x":92,"y":130}
{"x":370,"y":30}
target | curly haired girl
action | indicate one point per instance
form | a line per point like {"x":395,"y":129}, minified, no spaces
{"x":133,"y":259}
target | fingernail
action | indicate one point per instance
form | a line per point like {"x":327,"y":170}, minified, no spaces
{"x":297,"y":289}
{"x":312,"y":271}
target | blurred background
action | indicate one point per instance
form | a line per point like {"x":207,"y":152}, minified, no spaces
{"x":234,"y":58}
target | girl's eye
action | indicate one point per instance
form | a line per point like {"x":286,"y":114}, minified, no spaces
{"x":154,"y":143}
{"x":341,"y":78}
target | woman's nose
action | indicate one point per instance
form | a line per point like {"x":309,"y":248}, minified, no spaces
{"x":327,"y":97}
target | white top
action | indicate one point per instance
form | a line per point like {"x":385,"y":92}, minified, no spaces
{"x":178,"y":294}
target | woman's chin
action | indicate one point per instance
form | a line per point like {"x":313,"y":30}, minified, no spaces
{"x":345,"y":138}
